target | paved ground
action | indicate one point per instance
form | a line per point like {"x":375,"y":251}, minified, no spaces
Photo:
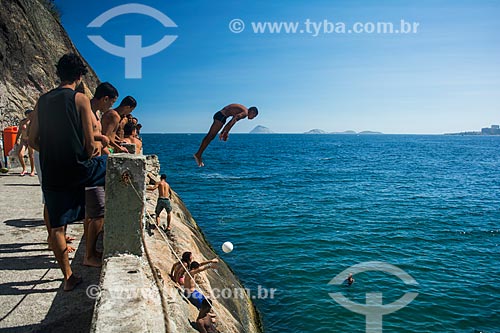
{"x":31,"y":295}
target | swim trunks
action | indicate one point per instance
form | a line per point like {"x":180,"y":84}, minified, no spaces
{"x":68,"y":205}
{"x":163,"y":203}
{"x":220,"y":117}
{"x":196,"y":298}
{"x":94,"y":202}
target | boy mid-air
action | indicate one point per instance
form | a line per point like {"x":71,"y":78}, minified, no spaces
{"x":237,"y":112}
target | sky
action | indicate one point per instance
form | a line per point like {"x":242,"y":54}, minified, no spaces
{"x":444,"y":77}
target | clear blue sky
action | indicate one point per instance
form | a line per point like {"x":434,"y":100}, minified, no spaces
{"x":445,"y":78}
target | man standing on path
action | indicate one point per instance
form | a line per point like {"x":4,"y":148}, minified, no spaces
{"x":237,"y":112}
{"x":164,"y":195}
{"x":61,"y":130}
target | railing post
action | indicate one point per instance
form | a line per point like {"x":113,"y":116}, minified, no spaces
{"x":124,"y":206}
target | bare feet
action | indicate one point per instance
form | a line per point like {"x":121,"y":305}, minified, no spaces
{"x":24,"y":173}
{"x":70,"y":239}
{"x":32,"y":174}
{"x":199,"y":161}
{"x":72,"y":282}
{"x":70,"y":249}
{"x":92,"y":262}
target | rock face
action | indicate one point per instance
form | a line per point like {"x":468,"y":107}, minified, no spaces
{"x":235,"y":310}
{"x":31,"y":42}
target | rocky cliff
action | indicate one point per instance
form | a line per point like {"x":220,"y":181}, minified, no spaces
{"x":236,"y":312}
{"x":31,"y":41}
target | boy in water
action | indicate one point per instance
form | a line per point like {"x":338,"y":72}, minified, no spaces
{"x":164,"y":194}
{"x":237,"y":112}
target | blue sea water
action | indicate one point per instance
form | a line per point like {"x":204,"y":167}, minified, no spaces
{"x":301,"y":209}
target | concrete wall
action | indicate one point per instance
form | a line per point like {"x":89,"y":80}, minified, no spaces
{"x":128,"y":297}
{"x":136,"y":293}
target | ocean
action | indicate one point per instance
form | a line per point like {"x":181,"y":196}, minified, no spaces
{"x":302,"y":209}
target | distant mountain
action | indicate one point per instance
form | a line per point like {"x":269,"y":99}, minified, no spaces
{"x":370,"y":132}
{"x":261,"y":130}
{"x":315,"y":131}
{"x":345,"y":132}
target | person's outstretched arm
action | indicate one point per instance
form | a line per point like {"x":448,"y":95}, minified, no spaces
{"x":213,"y":261}
{"x":225,"y":131}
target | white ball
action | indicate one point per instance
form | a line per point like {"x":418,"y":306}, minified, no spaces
{"x":227,"y":247}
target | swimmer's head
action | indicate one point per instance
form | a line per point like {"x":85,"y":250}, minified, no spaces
{"x":163,"y":177}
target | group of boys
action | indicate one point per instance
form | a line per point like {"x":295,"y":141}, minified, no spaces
{"x":73,"y":136}
{"x":73,"y":142}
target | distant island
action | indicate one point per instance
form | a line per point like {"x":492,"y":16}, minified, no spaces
{"x":493,"y":130}
{"x":261,"y":130}
{"x":350,"y":132}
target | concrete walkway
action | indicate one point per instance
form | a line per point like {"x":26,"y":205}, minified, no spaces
{"x":31,"y":295}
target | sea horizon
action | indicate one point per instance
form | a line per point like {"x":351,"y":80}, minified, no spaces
{"x":303,"y":209}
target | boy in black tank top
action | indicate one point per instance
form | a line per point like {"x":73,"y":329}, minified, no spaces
{"x":61,"y":130}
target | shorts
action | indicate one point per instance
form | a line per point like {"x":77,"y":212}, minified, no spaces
{"x":94,"y":202}
{"x":163,"y":203}
{"x":38,"y":168}
{"x":67,"y":205}
{"x":220,"y":117}
{"x":196,"y":298}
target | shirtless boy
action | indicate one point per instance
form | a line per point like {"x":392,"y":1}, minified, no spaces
{"x":104,"y":98}
{"x":194,"y":296}
{"x":237,"y":112}
{"x":112,"y":122}
{"x":206,"y":319}
{"x":164,"y":194}
{"x":22,"y":141}
{"x":130,"y":136}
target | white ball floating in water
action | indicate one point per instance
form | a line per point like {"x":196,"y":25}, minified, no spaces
{"x":227,"y":247}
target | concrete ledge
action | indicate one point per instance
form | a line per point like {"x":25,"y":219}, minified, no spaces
{"x":128,"y":300}
{"x":124,"y":208}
